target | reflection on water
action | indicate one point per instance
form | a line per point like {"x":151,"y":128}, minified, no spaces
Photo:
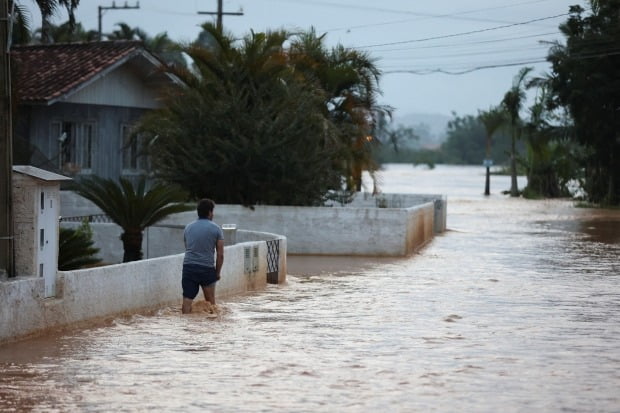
{"x":515,"y":308}
{"x":597,"y":229}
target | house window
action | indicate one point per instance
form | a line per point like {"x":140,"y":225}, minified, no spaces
{"x":76,"y":146}
{"x":134,"y":160}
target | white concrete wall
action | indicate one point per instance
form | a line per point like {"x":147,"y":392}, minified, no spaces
{"x":366,"y":200}
{"x":332,"y":230}
{"x":359,"y":228}
{"x":86,"y":295}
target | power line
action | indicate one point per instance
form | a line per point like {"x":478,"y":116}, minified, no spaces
{"x":463,"y":33}
{"x":474,"y":69}
{"x":447,"y":15}
{"x":506,"y":39}
{"x":495,"y":66}
{"x":401,"y":12}
{"x":465,"y":54}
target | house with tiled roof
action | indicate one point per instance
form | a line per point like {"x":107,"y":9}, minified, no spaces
{"x":77,"y":104}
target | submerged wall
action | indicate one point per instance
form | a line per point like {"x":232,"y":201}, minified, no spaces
{"x":113,"y":290}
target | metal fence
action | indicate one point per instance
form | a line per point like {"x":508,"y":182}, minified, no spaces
{"x":273,"y":261}
{"x":98,"y":218}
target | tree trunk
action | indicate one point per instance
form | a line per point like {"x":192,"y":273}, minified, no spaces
{"x":132,"y":244}
{"x":46,"y":27}
{"x":357,"y":178}
{"x":514,"y":188}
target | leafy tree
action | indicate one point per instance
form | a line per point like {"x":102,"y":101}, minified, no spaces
{"x":585,"y":79}
{"x":552,"y":159}
{"x":395,"y":137}
{"x":465,"y":141}
{"x":513,"y":103}
{"x":76,"y":248}
{"x":394,"y":142}
{"x":246,"y":128}
{"x":133,"y":208}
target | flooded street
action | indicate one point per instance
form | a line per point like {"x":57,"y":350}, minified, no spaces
{"x":516,"y":308}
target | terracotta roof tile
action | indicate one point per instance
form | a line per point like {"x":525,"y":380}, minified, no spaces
{"x":46,"y":72}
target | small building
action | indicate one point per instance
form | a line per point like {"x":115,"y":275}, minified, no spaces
{"x":36,"y":205}
{"x":77,"y":104}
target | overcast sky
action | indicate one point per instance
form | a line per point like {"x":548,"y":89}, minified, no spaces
{"x":437,"y":56}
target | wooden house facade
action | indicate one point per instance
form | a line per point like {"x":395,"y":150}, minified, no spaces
{"x":77,"y":104}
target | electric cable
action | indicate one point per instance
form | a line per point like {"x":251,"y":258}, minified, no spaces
{"x":463,"y":33}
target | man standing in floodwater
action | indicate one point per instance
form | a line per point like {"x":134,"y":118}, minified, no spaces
{"x":204,"y":256}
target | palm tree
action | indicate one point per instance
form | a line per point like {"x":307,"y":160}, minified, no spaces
{"x":513,"y":103}
{"x":20,"y":23}
{"x":350,"y":80}
{"x":133,"y":208}
{"x":126,"y":32}
{"x":48,"y":8}
{"x":76,"y":248}
{"x":246,"y":128}
{"x":161,"y":45}
{"x":492,"y":119}
{"x":64,"y":33}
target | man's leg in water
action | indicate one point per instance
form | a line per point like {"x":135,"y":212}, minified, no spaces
{"x":187,"y":305}
{"x":209,"y":293}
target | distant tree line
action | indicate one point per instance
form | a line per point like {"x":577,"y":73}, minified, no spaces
{"x":465,"y":144}
{"x":569,"y":136}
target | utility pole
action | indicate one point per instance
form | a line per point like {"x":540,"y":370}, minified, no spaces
{"x":6,"y":147}
{"x":220,"y":13}
{"x":114,"y":7}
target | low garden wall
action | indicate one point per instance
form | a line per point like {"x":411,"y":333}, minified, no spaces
{"x":114,"y":290}
{"x":380,"y":225}
{"x":349,"y":230}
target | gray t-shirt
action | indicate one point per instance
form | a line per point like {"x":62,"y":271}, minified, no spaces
{"x":201,"y":237}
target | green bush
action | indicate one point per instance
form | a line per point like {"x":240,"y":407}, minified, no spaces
{"x":76,"y":248}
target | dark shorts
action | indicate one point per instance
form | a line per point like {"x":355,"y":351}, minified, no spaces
{"x":195,"y":276}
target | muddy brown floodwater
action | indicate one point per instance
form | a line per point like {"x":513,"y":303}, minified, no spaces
{"x":515,"y":309}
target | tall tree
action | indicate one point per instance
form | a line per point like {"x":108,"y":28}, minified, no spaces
{"x":21,"y":24}
{"x":585,"y":79}
{"x":64,"y":33}
{"x":350,"y":79}
{"x":161,"y":45}
{"x":492,"y":119}
{"x":48,"y":8}
{"x":133,"y":208}
{"x":552,"y":159}
{"x":246,"y":128}
{"x":513,"y":103}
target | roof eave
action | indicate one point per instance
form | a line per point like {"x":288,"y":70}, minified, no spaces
{"x":102,"y":73}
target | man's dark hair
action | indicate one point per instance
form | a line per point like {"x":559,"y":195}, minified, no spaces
{"x":205,"y":206}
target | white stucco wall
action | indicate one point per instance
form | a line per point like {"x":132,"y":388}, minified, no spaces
{"x":87,"y":295}
{"x":333,"y":230}
{"x":360,"y":228}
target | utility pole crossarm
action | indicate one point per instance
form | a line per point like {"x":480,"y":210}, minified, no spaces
{"x":220,"y":13}
{"x":113,"y":7}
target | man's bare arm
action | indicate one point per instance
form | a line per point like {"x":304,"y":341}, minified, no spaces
{"x":219,"y":261}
